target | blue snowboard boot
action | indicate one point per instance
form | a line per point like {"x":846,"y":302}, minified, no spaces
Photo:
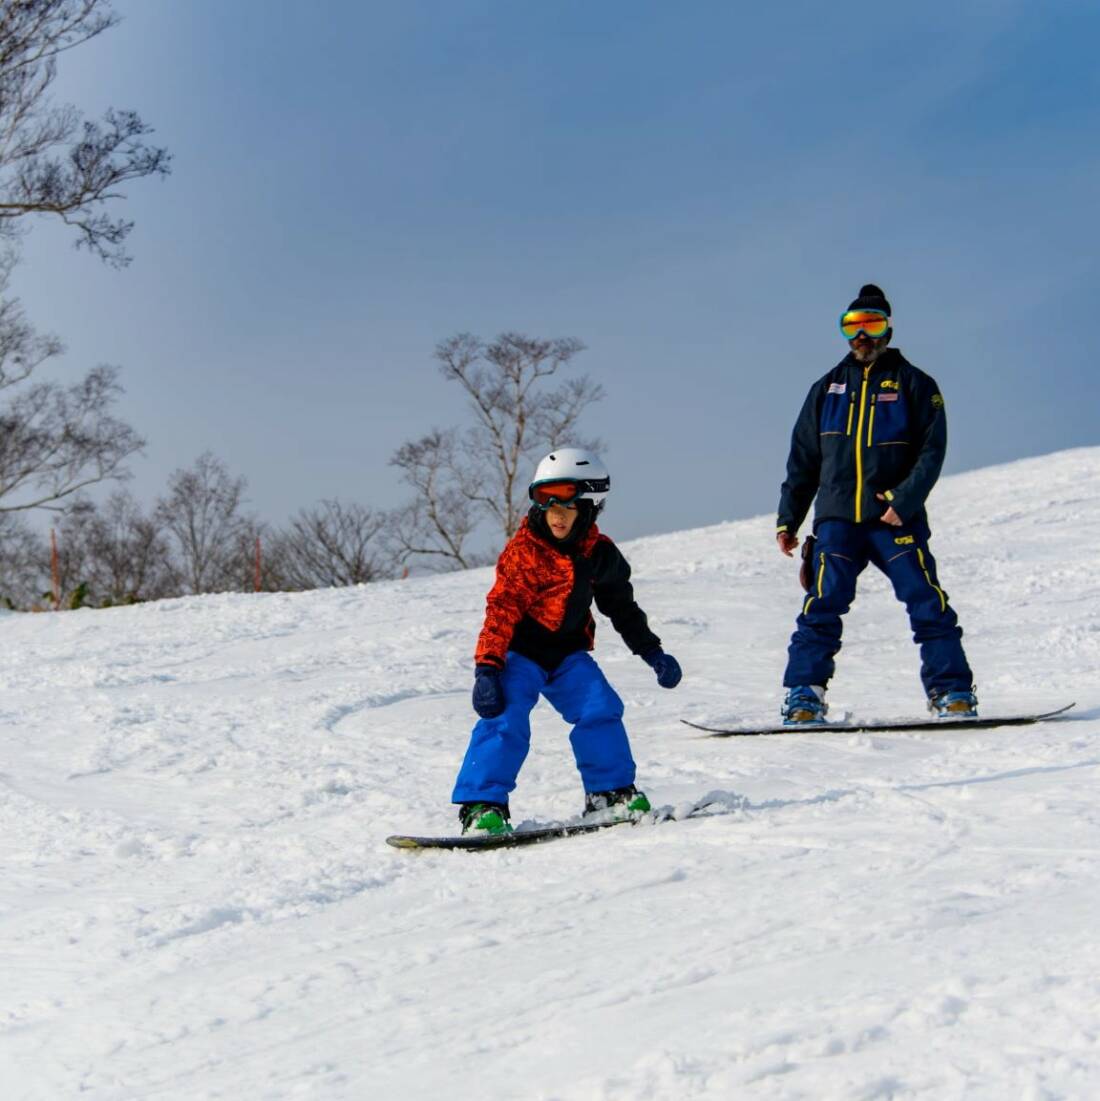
{"x":954,"y":705}
{"x":804,"y":706}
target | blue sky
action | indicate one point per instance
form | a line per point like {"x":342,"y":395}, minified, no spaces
{"x":693,"y":190}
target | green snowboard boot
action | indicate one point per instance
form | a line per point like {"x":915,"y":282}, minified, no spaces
{"x":617,"y":805}
{"x":490,"y":818}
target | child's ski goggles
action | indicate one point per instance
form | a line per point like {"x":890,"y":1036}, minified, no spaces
{"x":872,"y":322}
{"x":545,"y":494}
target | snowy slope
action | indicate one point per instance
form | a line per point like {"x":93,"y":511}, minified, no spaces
{"x":197,"y":901}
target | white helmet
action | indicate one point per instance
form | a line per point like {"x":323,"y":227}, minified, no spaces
{"x":577,"y":466}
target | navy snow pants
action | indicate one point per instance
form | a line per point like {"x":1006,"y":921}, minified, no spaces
{"x":842,"y":553}
{"x":581,"y":694}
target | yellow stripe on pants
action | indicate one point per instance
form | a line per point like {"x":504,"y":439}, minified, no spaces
{"x":820,"y":585}
{"x":928,"y":578}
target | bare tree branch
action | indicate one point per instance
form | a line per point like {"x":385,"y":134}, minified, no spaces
{"x":53,"y":162}
{"x":21,"y":348}
{"x":55,"y":441}
{"x":438,"y":522}
{"x":332,"y":545}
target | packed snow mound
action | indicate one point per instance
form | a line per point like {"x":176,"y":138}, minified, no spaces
{"x":198,"y":901}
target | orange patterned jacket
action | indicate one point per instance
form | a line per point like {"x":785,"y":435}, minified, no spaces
{"x":541,"y":603}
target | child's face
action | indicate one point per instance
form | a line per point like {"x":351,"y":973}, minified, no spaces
{"x":560,"y":520}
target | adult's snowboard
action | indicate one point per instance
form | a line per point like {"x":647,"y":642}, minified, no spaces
{"x":853,"y":727}
{"x":535,"y":835}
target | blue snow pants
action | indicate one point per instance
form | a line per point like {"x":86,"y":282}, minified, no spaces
{"x":581,"y":694}
{"x":842,"y":553}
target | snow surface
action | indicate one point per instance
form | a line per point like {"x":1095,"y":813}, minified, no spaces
{"x":198,"y":902}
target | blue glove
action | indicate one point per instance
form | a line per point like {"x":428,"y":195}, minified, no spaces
{"x":488,"y":692}
{"x":665,"y":666}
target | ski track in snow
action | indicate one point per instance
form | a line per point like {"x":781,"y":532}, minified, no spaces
{"x":198,"y":901}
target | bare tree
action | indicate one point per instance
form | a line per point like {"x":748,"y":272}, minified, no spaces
{"x":202,"y":513}
{"x":54,"y":440}
{"x":52,"y":161}
{"x":437,"y":523}
{"x":22,"y":580}
{"x":479,"y":473}
{"x":117,"y":551}
{"x":333,"y":544}
{"x":516,"y":416}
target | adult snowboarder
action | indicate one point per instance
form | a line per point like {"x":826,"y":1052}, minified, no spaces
{"x":536,"y":640}
{"x":869,"y":444}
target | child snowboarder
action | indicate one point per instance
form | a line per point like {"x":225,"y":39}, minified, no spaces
{"x":536,"y":639}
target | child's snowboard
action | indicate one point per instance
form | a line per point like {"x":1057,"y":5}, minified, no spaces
{"x":535,"y":835}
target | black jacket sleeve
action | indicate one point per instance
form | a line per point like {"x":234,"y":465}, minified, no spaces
{"x":803,"y":464}
{"x":614,"y":596}
{"x":930,"y":439}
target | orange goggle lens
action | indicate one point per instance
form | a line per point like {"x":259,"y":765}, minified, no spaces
{"x":872,"y":322}
{"x":550,"y":493}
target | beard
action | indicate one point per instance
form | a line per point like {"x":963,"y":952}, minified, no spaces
{"x":867,"y":351}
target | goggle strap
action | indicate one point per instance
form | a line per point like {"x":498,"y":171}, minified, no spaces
{"x":583,"y":485}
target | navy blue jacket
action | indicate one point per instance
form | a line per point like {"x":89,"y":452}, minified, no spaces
{"x":862,"y":431}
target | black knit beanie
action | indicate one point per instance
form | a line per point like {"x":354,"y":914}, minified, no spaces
{"x":871,"y":298}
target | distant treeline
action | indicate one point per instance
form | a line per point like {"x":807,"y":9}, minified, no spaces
{"x":198,"y":537}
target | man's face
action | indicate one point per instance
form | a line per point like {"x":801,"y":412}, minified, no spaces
{"x":866,"y":349}
{"x":560,"y":520}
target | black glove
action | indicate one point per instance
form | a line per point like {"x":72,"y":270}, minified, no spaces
{"x":488,"y":692}
{"x":808,"y":568}
{"x":665,"y":666}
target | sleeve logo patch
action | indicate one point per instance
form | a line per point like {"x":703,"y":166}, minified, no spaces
{"x":837,"y":387}
{"x":937,"y":401}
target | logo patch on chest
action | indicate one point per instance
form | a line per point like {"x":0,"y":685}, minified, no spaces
{"x":837,"y":387}
{"x":886,"y":397}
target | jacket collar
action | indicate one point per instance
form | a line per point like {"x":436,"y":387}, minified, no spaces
{"x":890,"y":359}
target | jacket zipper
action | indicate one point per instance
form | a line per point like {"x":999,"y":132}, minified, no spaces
{"x":859,"y":445}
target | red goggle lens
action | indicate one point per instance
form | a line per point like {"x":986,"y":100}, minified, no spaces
{"x":549,"y":492}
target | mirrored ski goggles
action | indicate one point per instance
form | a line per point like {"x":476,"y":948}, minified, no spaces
{"x":545,"y":494}
{"x":872,"y":322}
